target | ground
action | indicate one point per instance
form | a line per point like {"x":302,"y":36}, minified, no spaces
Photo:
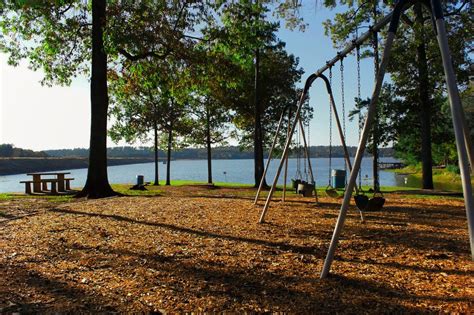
{"x":195,"y":249}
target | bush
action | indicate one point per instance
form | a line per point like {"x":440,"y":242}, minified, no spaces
{"x":453,"y":169}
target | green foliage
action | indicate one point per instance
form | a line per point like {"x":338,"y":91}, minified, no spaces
{"x":246,"y":28}
{"x":52,"y":35}
{"x":453,"y":169}
{"x":8,"y":150}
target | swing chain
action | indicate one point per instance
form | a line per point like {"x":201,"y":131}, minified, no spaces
{"x":297,"y":136}
{"x":359,"y":100}
{"x":343,"y":102}
{"x":305,"y":170}
{"x":308,"y":147}
{"x":343,"y":105}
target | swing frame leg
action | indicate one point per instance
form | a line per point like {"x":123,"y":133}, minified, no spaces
{"x":341,"y":133}
{"x":360,"y":152}
{"x":308,"y":83}
{"x":270,"y":156}
{"x":460,"y":128}
{"x":283,"y":197}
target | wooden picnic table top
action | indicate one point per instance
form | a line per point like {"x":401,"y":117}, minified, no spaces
{"x":48,"y":173}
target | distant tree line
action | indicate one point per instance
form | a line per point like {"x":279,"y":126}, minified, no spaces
{"x":8,"y":150}
{"x":224,"y":152}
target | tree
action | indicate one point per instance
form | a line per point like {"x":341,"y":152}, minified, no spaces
{"x":136,"y":106}
{"x":55,"y":36}
{"x":247,"y":37}
{"x":149,"y":97}
{"x":60,"y":38}
{"x":97,"y":183}
{"x":210,"y":126}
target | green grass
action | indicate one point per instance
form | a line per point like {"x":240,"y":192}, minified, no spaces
{"x":246,"y":191}
{"x":60,"y":198}
{"x":190,"y":182}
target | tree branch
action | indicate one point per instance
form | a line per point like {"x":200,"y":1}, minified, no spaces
{"x":144,"y":55}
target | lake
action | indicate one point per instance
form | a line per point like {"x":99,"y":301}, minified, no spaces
{"x":235,"y":171}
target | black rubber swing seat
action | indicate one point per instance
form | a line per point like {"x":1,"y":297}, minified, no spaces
{"x":361,"y":201}
{"x":375,"y":204}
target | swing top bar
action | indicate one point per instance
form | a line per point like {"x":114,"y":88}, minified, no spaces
{"x":355,"y":43}
{"x":375,"y":28}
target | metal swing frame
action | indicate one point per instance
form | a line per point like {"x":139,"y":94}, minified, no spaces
{"x":463,"y":143}
{"x":290,"y":134}
{"x":464,"y":147}
{"x":285,"y":157}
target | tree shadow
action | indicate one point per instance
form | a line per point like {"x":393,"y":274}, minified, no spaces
{"x":63,"y":296}
{"x":280,"y":245}
{"x":272,"y":290}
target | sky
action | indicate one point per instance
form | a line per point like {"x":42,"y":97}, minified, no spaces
{"x":39,"y":117}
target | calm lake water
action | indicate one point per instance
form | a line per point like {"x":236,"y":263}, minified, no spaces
{"x":236,"y":171}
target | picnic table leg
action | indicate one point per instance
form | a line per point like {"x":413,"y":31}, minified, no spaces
{"x":68,"y":184}
{"x":45,"y":185}
{"x":28,"y":188}
{"x":54,"y":191}
{"x":60,"y":182}
{"x":37,"y":183}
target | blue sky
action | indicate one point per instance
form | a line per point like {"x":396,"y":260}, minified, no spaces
{"x":37,"y":117}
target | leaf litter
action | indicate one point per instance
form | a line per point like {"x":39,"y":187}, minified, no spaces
{"x":190,"y":250}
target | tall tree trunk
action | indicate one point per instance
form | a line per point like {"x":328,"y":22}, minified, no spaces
{"x":425,"y":102}
{"x":97,"y":183}
{"x":375,"y":160}
{"x":258,"y":135}
{"x":155,"y":129}
{"x":208,"y":144}
{"x":168,"y":158}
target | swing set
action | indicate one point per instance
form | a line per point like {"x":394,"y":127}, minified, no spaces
{"x":461,"y":131}
{"x":303,"y":182}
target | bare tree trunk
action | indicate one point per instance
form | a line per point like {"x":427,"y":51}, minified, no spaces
{"x":208,"y":144}
{"x":168,"y":158}
{"x":425,"y":102}
{"x":97,"y":183}
{"x":157,"y":180}
{"x":258,"y":135}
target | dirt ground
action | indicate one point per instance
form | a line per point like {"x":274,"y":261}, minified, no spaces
{"x":199,"y":250}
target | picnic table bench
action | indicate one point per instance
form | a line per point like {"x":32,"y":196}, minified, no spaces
{"x":40,"y":185}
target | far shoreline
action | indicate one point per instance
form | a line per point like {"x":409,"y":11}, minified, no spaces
{"x":23,"y":165}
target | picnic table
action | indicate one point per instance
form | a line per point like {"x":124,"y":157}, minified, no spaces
{"x":59,"y":183}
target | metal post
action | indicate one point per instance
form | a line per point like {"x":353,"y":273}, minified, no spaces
{"x":456,"y":110}
{"x":308,"y":83}
{"x":269,"y":157}
{"x":360,"y":150}
{"x":341,"y":133}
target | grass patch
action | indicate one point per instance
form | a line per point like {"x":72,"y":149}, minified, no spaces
{"x":52,"y":198}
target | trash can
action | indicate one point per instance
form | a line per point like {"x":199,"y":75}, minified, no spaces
{"x":338,"y":178}
{"x":140,"y":179}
